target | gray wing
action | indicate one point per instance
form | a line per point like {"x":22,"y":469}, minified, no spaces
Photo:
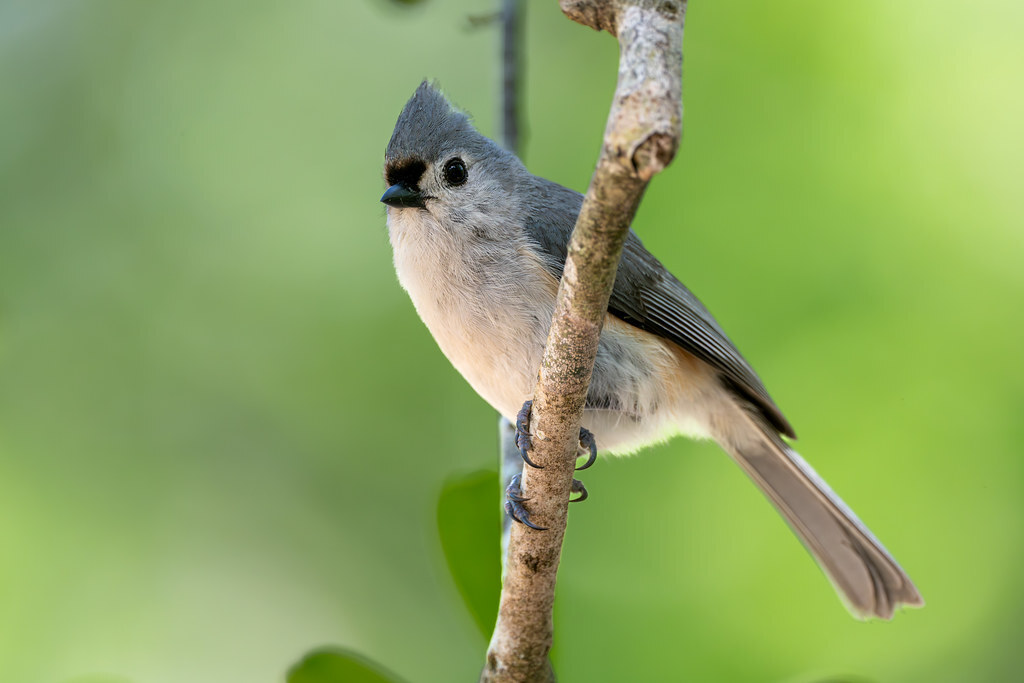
{"x":648,"y":296}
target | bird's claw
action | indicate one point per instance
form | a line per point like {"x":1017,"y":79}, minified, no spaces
{"x":587,"y":443}
{"x":514,"y":503}
{"x":523,"y":441}
{"x":578,"y":487}
{"x":514,"y":500}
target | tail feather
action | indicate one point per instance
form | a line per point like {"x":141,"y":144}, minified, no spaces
{"x":867,"y":578}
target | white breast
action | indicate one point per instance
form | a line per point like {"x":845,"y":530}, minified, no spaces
{"x":487,"y":302}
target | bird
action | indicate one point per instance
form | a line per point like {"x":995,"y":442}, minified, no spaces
{"x":479,"y":244}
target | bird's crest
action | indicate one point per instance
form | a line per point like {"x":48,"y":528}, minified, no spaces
{"x":429,"y":126}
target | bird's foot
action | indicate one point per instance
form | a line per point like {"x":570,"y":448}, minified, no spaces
{"x":514,"y":500}
{"x":587,"y":444}
{"x":514,"y":503}
{"x":522,"y":440}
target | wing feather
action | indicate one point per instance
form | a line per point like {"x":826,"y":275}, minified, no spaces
{"x":649,"y":297}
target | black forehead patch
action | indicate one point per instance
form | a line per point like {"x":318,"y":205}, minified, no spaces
{"x":407,"y":172}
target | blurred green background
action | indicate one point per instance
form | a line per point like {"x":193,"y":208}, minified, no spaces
{"x":224,"y":433}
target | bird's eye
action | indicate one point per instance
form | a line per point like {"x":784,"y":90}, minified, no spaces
{"x":455,"y":171}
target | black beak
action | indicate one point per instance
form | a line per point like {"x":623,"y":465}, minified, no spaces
{"x":400,"y":195}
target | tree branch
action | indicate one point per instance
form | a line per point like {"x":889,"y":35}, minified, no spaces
{"x":641,"y":138}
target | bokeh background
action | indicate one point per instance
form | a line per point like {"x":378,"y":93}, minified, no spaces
{"x":226,"y":440}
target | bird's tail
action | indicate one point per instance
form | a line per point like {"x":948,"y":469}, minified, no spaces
{"x":867,"y":578}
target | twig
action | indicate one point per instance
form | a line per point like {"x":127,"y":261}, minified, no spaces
{"x":511,"y":465}
{"x":641,"y":138}
{"x":511,"y":54}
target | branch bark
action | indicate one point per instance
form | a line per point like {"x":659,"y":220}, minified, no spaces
{"x":641,"y":138}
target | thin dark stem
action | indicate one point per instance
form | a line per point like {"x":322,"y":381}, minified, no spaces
{"x":511,"y":465}
{"x":511,"y":56}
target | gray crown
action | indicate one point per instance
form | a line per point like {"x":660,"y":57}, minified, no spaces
{"x":429,"y":126}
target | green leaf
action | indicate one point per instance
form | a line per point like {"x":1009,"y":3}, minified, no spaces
{"x":338,"y":665}
{"x":469,"y":523}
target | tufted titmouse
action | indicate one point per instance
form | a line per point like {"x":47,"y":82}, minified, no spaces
{"x":480,"y":243}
